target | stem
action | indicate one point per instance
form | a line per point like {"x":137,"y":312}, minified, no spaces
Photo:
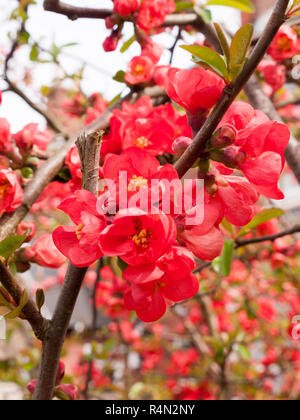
{"x":230,"y":92}
{"x":89,"y":148}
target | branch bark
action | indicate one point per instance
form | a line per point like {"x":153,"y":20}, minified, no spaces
{"x":89,"y":148}
{"x":33,"y":316}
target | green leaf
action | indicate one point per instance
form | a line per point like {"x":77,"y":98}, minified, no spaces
{"x":205,"y":14}
{"x":115,"y":99}
{"x":34,"y":53}
{"x":244,"y":5}
{"x":119,"y":76}
{"x":127,"y":44}
{"x":222,"y":264}
{"x":208,"y":57}
{"x":17,"y":311}
{"x":10,"y":245}
{"x":239,"y":48}
{"x":183,"y":5}
{"x":260,"y":218}
{"x":40,"y":298}
{"x":223,"y":41}
{"x":244,"y":353}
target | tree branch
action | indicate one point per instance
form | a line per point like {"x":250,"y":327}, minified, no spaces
{"x":230,"y":92}
{"x":89,"y":149}
{"x":38,"y":323}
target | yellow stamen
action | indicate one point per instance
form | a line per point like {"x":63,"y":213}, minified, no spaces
{"x":78,"y":232}
{"x":136,"y":183}
{"x":141,"y":142}
{"x":142,"y":238}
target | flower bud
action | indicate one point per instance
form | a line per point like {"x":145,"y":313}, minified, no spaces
{"x":197,"y":120}
{"x":60,"y":372}
{"x":180,"y":145}
{"x":225,"y":136}
{"x":111,"y":42}
{"x":210,"y":184}
{"x":31,"y":386}
{"x":230,"y":157}
{"x":66,"y":392}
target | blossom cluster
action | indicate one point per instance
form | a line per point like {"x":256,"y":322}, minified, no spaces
{"x":243,"y":160}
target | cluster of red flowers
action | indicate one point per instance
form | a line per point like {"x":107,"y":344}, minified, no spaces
{"x":17,"y":160}
{"x":159,"y":247}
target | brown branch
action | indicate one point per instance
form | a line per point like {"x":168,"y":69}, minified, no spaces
{"x":239,"y":243}
{"x":230,"y":92}
{"x":283,"y":104}
{"x":89,"y":149}
{"x":74,"y":12}
{"x":38,"y":323}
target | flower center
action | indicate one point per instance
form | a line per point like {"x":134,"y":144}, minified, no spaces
{"x":141,"y":142}
{"x":136,"y":183}
{"x":142,"y":238}
{"x":139,"y":70}
{"x":4,"y":187}
{"x":78,"y":232}
{"x":284,"y":44}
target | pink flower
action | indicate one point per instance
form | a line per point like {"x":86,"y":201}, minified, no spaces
{"x":5,"y":137}
{"x":80,"y":243}
{"x":197,"y":90}
{"x":140,"y":70}
{"x":153,"y":12}
{"x":29,"y":137}
{"x":126,"y":7}
{"x":274,"y":74}
{"x":285,"y":44}
{"x":138,"y":237}
{"x":44,"y":253}
{"x":154,"y":285}
{"x":25,"y":227}
{"x":11,"y":193}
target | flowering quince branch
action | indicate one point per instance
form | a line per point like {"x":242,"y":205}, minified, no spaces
{"x":240,"y":243}
{"x":31,"y":313}
{"x":89,"y":148}
{"x":231,"y":91}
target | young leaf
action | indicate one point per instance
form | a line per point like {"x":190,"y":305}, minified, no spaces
{"x":205,"y":14}
{"x":244,"y":353}
{"x":223,"y":41}
{"x":222,"y":264}
{"x":119,"y":76}
{"x":182,"y":5}
{"x":262,"y":217}
{"x":11,"y":244}
{"x":17,"y":311}
{"x":209,"y":57}
{"x":239,"y":48}
{"x":127,"y":44}
{"x":244,"y":5}
{"x":40,"y":298}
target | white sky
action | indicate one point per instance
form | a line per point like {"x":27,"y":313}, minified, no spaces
{"x":47,"y":27}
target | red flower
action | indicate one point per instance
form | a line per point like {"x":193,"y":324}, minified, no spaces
{"x":5,"y":137}
{"x":44,"y":253}
{"x":258,"y":149}
{"x":138,"y":237}
{"x":31,"y":136}
{"x":197,"y":90}
{"x":153,"y":285}
{"x":138,"y":169}
{"x":80,"y":243}
{"x":153,"y":12}
{"x":140,"y":70}
{"x":274,"y":74}
{"x":126,"y":7}
{"x":11,"y":193}
{"x":285,"y":44}
{"x":24,"y":227}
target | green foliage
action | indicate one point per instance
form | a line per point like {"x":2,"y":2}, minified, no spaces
{"x":244,"y":5}
{"x":18,"y":310}
{"x":40,"y":298}
{"x":10,"y":245}
{"x":260,"y":218}
{"x":222,"y":264}
{"x":231,"y":64}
